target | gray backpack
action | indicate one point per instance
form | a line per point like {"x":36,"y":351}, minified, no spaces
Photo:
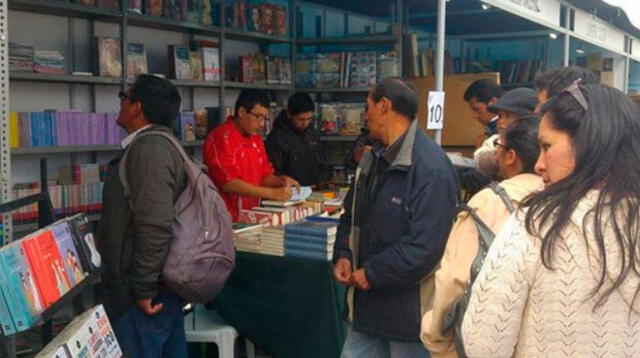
{"x":201,"y":255}
{"x":453,"y":319}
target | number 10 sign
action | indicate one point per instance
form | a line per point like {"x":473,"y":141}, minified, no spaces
{"x":435,"y":110}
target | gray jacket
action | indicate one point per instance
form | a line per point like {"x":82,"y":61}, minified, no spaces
{"x":134,"y":244}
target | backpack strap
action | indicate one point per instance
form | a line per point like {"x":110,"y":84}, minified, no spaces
{"x":485,"y":234}
{"x":122,"y":169}
{"x":503,"y":196}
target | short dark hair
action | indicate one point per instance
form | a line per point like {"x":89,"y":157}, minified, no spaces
{"x":401,"y":92}
{"x":160,"y":99}
{"x":483,"y":90}
{"x":554,"y":81}
{"x":522,"y":136}
{"x":299,"y":103}
{"x":248,"y":98}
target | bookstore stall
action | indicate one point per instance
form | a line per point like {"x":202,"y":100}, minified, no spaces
{"x":65,"y":62}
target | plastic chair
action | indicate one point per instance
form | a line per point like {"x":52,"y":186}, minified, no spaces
{"x":206,"y":326}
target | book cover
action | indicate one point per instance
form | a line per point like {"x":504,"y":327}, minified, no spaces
{"x":135,"y":6}
{"x":19,"y":287}
{"x":255,"y":17}
{"x":322,"y":229}
{"x":184,"y":9}
{"x":323,"y":242}
{"x":108,"y":4}
{"x":108,"y":50}
{"x":14,"y":135}
{"x":328,"y":70}
{"x":308,"y":254}
{"x":195,"y":63}
{"x":258,"y":217}
{"x":6,"y":322}
{"x":172,"y":9}
{"x":207,"y":12}
{"x":281,"y":20}
{"x":84,"y":242}
{"x":194,"y":11}
{"x":202,"y":129}
{"x":187,"y":126}
{"x":305,"y":70}
{"x":136,"y":60}
{"x":153,"y":7}
{"x":68,"y":252}
{"x":317,"y":246}
{"x":273,"y":69}
{"x":246,"y":69}
{"x":179,"y":66}
{"x":388,"y":65}
{"x":46,"y":262}
{"x":268,"y":19}
{"x":100,"y":323}
{"x":363,"y":69}
{"x":259,"y":68}
{"x":243,"y":10}
{"x":285,"y":71}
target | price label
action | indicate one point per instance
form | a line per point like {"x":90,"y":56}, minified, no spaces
{"x":435,"y":110}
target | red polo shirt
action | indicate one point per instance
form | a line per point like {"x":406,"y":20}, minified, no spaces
{"x":229,"y":155}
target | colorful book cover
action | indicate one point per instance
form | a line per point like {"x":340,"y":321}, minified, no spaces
{"x":281,"y":21}
{"x":136,"y":60}
{"x":246,"y":69}
{"x":195,"y":62}
{"x":85,"y":243}
{"x":243,"y":9}
{"x":153,"y":7}
{"x":100,"y":323}
{"x":207,"y":16}
{"x":328,"y":70}
{"x":259,"y":68}
{"x":68,"y":251}
{"x":108,"y":50}
{"x":201,"y":124}
{"x":46,"y":262}
{"x":211,"y":63}
{"x":273,"y":69}
{"x":14,"y":135}
{"x":255,"y":17}
{"x":109,"y":4}
{"x":135,"y":6}
{"x":187,"y":126}
{"x":180,"y":68}
{"x":194,"y":11}
{"x":172,"y":9}
{"x":305,"y":74}
{"x":322,"y":229}
{"x":388,"y":65}
{"x":363,"y":69}
{"x":6,"y":321}
{"x":25,"y":303}
{"x":268,"y":19}
{"x":285,"y":71}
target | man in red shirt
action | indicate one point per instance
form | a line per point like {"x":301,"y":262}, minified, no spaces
{"x":236,"y":157}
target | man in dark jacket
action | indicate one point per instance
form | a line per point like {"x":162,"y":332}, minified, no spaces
{"x":398,"y":214}
{"x":294,"y":147}
{"x":135,"y":233}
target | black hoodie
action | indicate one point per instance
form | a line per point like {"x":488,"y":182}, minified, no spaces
{"x":297,"y":154}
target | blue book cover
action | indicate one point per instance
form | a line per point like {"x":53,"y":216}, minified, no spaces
{"x":24,"y":301}
{"x":5,"y":316}
{"x":68,"y":252}
{"x":307,"y":246}
{"x":313,"y":239}
{"x":319,"y":218}
{"x":308,"y":254}
{"x":33,"y":121}
{"x":323,"y":229}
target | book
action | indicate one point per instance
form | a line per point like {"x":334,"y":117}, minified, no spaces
{"x":246,"y":71}
{"x":281,"y":204}
{"x":308,"y":254}
{"x":322,"y":229}
{"x":100,"y":324}
{"x":285,"y":71}
{"x":243,"y":227}
{"x":211,"y":63}
{"x":323,"y":247}
{"x":84,"y":242}
{"x":311,"y":239}
{"x":363,"y":69}
{"x":187,"y":126}
{"x":135,"y":6}
{"x":153,"y":7}
{"x":19,"y":287}
{"x":195,"y":63}
{"x":268,"y":19}
{"x":6,"y":322}
{"x":255,"y":17}
{"x":243,"y":9}
{"x":108,"y":50}
{"x":68,"y":252}
{"x":387,"y":65}
{"x":273,"y":69}
{"x":328,"y":70}
{"x":136,"y":60}
{"x":179,"y":67}
{"x":202,"y":129}
{"x":281,"y":21}
{"x":45,"y":260}
{"x":194,"y":11}
{"x":259,"y":68}
{"x":172,"y":9}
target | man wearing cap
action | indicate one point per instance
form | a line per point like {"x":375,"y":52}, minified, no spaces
{"x":513,"y":105}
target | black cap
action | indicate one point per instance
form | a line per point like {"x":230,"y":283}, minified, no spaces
{"x":520,"y":101}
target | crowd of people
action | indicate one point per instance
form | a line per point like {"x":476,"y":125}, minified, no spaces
{"x":539,"y":259}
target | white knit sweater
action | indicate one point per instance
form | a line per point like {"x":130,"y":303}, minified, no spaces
{"x":519,"y":308}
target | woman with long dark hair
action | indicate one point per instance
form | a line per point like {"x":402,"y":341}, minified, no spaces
{"x":563,"y":276}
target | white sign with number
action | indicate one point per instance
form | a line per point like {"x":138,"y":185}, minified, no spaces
{"x":435,"y":110}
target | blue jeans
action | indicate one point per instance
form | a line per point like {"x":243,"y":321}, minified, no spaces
{"x":360,"y":345}
{"x":158,"y":336}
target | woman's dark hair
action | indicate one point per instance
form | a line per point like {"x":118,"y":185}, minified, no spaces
{"x":402,"y":94}
{"x":160,"y":99}
{"x":554,"y":81}
{"x":300,"y":103}
{"x":607,"y":153}
{"x":522,"y":136}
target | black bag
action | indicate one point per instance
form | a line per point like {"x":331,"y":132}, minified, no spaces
{"x":453,"y":319}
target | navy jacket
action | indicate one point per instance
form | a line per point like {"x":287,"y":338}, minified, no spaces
{"x":398,"y":233}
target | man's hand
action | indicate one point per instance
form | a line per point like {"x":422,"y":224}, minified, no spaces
{"x":342,"y":271}
{"x":288,"y":182}
{"x":280,"y":194}
{"x":146,"y":305}
{"x":360,"y":281}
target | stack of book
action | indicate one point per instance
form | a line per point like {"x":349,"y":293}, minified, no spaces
{"x":247,"y":237}
{"x":312,"y":239}
{"x":344,"y":69}
{"x":82,"y":173}
{"x":36,"y":271}
{"x":342,"y":118}
{"x":49,"y":62}
{"x":258,"y":68}
{"x":88,"y":335}
{"x":259,"y":17}
{"x":63,"y":128}
{"x":200,"y":61}
{"x":20,"y":57}
{"x":275,"y":213}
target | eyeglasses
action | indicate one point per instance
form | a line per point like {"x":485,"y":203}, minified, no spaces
{"x":574,"y":90}
{"x":259,"y":117}
{"x":123,"y":95}
{"x":496,"y":144}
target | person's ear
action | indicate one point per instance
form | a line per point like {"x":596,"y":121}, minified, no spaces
{"x":492,"y":101}
{"x":511,"y":157}
{"x":242,"y":112}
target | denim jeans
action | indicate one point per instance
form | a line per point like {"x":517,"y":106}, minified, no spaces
{"x":158,"y":336}
{"x":360,"y":345}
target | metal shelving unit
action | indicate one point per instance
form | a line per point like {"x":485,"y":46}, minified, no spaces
{"x":355,"y":40}
{"x":82,"y":148}
{"x":80,"y":79}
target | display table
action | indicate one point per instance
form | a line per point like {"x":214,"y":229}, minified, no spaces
{"x":288,"y":307}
